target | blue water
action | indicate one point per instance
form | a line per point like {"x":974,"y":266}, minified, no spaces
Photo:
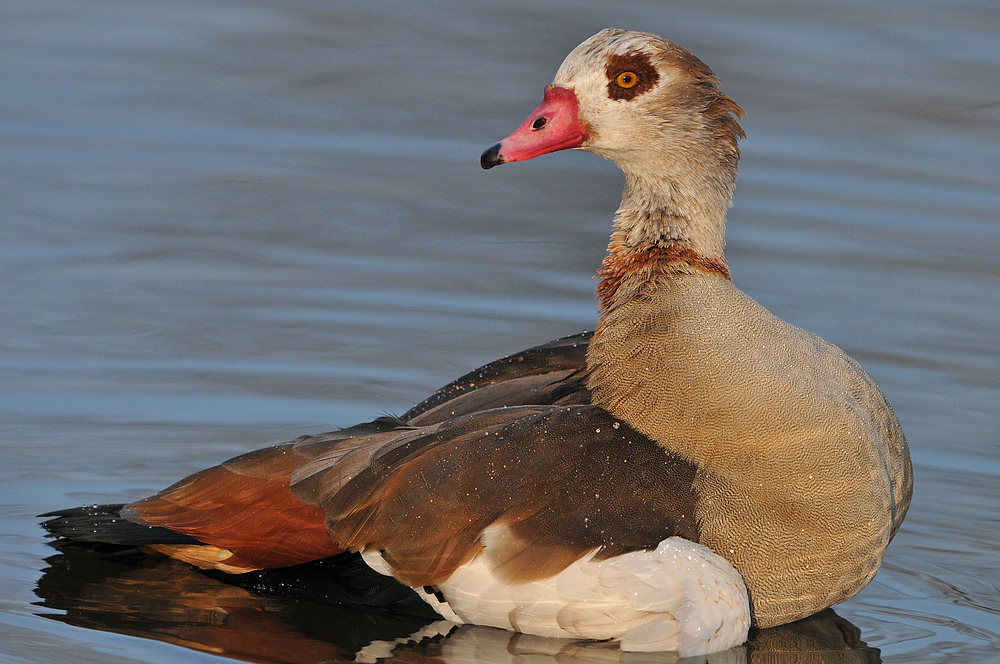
{"x":224,"y":224}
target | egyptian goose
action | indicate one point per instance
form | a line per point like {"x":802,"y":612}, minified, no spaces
{"x":692,"y":467}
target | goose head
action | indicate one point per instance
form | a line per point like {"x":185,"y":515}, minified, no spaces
{"x":657,"y":112}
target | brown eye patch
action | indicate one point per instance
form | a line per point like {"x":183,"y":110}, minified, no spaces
{"x":636,"y":63}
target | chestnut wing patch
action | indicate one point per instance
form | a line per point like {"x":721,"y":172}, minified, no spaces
{"x":553,"y":373}
{"x":243,"y":506}
{"x":551,"y":483}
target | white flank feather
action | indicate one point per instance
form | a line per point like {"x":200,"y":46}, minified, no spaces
{"x":680,"y":597}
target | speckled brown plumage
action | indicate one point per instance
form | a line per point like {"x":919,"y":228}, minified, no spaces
{"x":565,"y":480}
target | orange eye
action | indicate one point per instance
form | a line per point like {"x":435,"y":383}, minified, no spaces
{"x":627,"y":79}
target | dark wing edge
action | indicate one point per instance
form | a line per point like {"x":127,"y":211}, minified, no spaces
{"x":105,"y":524}
{"x":551,"y":373}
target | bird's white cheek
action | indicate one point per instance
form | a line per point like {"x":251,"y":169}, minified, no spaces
{"x":611,"y":131}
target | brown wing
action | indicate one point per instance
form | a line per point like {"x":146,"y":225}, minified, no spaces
{"x":553,"y":373}
{"x":244,"y":510}
{"x":242,"y":514}
{"x":560,"y":481}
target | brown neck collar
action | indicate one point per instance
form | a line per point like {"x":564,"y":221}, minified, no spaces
{"x":636,"y":264}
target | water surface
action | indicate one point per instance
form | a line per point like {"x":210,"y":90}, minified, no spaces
{"x":224,"y":224}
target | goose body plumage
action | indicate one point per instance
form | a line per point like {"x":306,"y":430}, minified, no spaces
{"x":693,"y":466}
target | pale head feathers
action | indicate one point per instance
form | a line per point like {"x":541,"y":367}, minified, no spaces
{"x":673,"y":134}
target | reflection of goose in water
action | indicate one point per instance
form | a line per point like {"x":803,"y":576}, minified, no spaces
{"x":161,"y":599}
{"x":694,"y":457}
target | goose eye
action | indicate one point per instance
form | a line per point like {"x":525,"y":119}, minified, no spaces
{"x":630,"y":75}
{"x":627,"y":79}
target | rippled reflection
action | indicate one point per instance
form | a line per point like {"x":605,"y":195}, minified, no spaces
{"x":165,"y":600}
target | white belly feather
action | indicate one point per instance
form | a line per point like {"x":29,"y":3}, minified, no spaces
{"x":679,"y":597}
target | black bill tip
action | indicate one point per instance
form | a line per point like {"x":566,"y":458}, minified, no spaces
{"x":491,"y":157}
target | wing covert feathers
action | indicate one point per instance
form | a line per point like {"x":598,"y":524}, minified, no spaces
{"x":553,"y":373}
{"x":565,"y":481}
